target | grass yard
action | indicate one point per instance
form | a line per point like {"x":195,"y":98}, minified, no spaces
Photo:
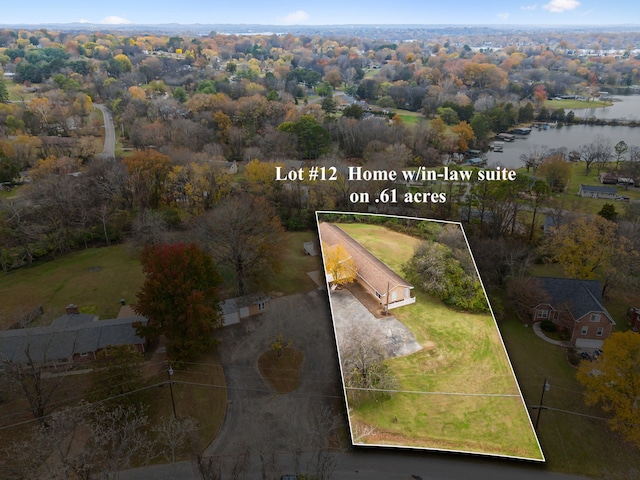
{"x":589,"y":205}
{"x":462,"y":354}
{"x":393,"y":248}
{"x":293,"y":277}
{"x":575,"y":104}
{"x":206,"y":402}
{"x":95,"y":279}
{"x":572,"y":443}
{"x":409,"y":118}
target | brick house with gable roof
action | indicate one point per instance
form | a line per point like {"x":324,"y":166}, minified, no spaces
{"x":578,"y":305}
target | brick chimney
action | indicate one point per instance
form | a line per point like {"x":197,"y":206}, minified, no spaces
{"x":72,"y":308}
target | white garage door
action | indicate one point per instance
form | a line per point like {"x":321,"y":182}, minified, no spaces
{"x":587,"y":343}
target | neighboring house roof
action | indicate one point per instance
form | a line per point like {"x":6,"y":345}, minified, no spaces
{"x":578,"y":296}
{"x":598,"y":189}
{"x":66,"y":336}
{"x":370,"y":269}
{"x":232,"y":305}
{"x":549,"y":223}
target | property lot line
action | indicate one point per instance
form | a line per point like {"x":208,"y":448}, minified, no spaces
{"x":459,"y":394}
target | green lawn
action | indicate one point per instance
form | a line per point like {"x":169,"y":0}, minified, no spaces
{"x":589,"y":205}
{"x":95,"y":279}
{"x":293,"y":277}
{"x":575,"y":104}
{"x":205,"y":402}
{"x":462,"y":353}
{"x":572,"y":443}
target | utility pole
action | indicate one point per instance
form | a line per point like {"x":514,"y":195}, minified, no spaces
{"x":173,"y":402}
{"x":545,"y":388}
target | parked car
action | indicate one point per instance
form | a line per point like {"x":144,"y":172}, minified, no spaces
{"x":585,"y":356}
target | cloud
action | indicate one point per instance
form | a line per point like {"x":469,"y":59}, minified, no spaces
{"x":559,"y":6}
{"x":83,"y":20}
{"x":529,"y":7}
{"x":295,"y":17}
{"x":503,"y":16}
{"x":114,"y":20}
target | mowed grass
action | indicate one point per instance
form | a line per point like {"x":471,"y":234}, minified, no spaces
{"x":575,"y":104}
{"x":95,"y":279}
{"x":393,"y":248}
{"x":202,"y":395}
{"x":470,"y":400}
{"x":573,"y":443}
{"x":293,"y":276}
{"x":589,"y":205}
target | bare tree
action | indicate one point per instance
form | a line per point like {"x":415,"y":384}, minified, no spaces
{"x":243,"y":234}
{"x":172,"y":434}
{"x":84,"y":442}
{"x":33,"y":378}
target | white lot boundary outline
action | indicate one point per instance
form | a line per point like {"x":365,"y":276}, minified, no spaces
{"x":504,"y":348}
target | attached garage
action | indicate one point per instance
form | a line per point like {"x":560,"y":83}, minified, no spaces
{"x":588,"y":343}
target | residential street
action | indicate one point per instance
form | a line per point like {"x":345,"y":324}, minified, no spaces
{"x":109,"y":151}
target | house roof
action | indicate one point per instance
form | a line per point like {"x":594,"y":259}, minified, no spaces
{"x":232,"y":305}
{"x":370,"y":269}
{"x":578,"y":296}
{"x":66,"y":336}
{"x":598,"y":189}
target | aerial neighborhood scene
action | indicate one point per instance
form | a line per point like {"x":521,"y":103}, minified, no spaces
{"x":329,"y":241}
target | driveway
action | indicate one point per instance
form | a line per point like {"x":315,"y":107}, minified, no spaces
{"x":350,"y":315}
{"x":257,"y":417}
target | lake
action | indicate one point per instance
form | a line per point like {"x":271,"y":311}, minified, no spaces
{"x":574,"y":136}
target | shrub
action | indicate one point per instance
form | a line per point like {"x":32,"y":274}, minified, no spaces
{"x":548,"y":326}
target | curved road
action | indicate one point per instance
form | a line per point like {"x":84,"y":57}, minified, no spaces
{"x":109,"y":150}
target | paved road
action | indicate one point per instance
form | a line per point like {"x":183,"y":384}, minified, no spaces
{"x":109,"y":150}
{"x":375,"y":464}
{"x":256,"y":416}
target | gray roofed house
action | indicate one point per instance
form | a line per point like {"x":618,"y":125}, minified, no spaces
{"x":68,"y":337}
{"x":579,"y":304}
{"x":597,"y":191}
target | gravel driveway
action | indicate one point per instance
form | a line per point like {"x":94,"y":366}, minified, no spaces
{"x":396,"y":339}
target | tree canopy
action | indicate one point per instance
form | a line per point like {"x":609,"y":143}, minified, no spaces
{"x":179,"y":298}
{"x":613,"y":382}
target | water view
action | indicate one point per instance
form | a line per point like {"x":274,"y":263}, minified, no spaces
{"x":573,"y":136}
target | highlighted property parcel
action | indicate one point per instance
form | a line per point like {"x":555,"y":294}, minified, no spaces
{"x":422,"y":361}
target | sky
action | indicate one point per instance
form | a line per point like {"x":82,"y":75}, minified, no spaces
{"x":327,"y":12}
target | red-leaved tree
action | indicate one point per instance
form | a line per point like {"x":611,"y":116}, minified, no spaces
{"x":179,"y":298}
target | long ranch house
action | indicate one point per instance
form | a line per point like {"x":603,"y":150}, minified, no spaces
{"x":389,"y":288}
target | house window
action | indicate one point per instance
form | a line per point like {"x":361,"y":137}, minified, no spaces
{"x":543,"y":313}
{"x":585,"y":330}
{"x":600,"y":331}
{"x":261,"y":306}
{"x":378,"y":295}
{"x":595,"y":317}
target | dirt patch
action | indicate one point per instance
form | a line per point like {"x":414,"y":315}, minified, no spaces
{"x":282,"y":372}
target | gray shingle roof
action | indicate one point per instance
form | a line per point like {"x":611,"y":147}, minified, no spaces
{"x":579,"y":296}
{"x":66,"y":336}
